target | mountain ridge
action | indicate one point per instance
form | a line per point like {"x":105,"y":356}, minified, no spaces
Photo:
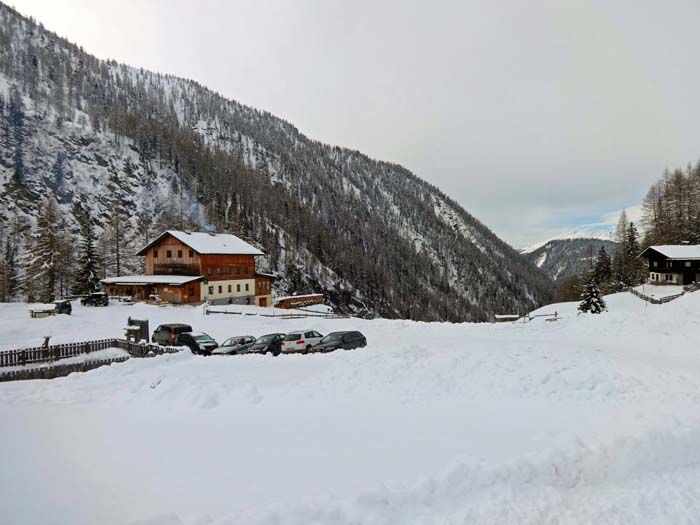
{"x":150,"y":149}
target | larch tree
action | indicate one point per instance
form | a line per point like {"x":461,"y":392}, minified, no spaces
{"x":41,"y":268}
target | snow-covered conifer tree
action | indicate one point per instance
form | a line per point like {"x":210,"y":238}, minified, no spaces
{"x":592,"y":298}
{"x":87,"y":277}
{"x":40,"y":268}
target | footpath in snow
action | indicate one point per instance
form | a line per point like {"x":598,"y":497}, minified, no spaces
{"x":590,"y":419}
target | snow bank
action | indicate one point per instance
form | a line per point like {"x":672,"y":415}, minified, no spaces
{"x":590,"y":419}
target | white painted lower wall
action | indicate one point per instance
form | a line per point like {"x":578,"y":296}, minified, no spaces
{"x":660,"y":278}
{"x":237,"y":289}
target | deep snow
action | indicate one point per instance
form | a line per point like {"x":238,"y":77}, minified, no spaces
{"x":590,"y":419}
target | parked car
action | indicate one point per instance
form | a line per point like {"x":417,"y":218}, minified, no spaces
{"x":198,"y":342}
{"x":301,"y":341}
{"x":268,"y":344}
{"x":166,"y":334}
{"x":338,"y":340}
{"x":95,"y":299}
{"x":63,"y":307}
{"x":235,"y":345}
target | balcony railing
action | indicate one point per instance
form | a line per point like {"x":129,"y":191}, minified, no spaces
{"x":176,"y":269}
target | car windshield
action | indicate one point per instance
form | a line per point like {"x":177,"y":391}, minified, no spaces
{"x":292,"y":337}
{"x":266,"y":339}
{"x":203,"y":337}
{"x":332,"y":337}
{"x":232,"y":342}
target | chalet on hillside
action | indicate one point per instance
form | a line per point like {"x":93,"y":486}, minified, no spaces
{"x":673,"y":264}
{"x":190,"y":267}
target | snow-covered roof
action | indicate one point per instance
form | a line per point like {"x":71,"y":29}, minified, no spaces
{"x":208,"y":243}
{"x":151,"y":279}
{"x":307,"y":296}
{"x":677,"y":251}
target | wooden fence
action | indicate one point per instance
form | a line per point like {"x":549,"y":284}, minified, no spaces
{"x":286,"y":315}
{"x":43,"y":354}
{"x":54,"y":353}
{"x":654,"y":300}
{"x":58,"y":370}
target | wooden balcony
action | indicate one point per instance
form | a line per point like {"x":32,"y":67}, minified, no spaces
{"x":176,"y":269}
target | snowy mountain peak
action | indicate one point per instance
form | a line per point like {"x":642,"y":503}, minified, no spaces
{"x":605,"y":233}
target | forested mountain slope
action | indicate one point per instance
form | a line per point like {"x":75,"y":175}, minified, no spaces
{"x":140,"y":151}
{"x":562,"y":258}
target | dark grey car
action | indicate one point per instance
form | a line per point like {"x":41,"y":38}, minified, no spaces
{"x":198,"y":342}
{"x":341,"y":340}
{"x":268,"y":344}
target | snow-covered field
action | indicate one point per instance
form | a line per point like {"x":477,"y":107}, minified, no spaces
{"x":590,"y":419}
{"x":659,"y":291}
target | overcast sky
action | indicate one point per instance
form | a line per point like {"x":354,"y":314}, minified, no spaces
{"x":536,"y":116}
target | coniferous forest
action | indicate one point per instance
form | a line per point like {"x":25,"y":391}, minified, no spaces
{"x":97,"y":157}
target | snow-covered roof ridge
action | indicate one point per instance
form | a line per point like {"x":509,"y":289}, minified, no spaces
{"x":677,"y":251}
{"x":208,"y":243}
{"x":151,"y":279}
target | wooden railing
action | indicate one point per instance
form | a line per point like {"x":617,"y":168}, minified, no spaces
{"x":654,"y":300}
{"x":286,"y":315}
{"x":43,"y":354}
{"x":58,"y":370}
{"x":51,"y":356}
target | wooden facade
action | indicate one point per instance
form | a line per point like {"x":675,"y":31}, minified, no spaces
{"x":170,"y":256}
{"x":223,"y":277}
{"x":664,"y":270}
{"x":172,"y":293}
{"x":227,"y":267}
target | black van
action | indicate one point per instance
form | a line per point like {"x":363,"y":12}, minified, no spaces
{"x":63,"y":307}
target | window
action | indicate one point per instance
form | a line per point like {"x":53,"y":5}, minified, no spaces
{"x":218,"y":269}
{"x":220,"y":289}
{"x":247,"y":269}
{"x":229,"y":269}
{"x":238,"y":269}
{"x":155,"y":254}
{"x":191,"y":291}
{"x":656,"y":264}
{"x":169,"y":254}
{"x":179,"y":253}
{"x":211,"y":290}
{"x":669,"y":277}
{"x":669,"y":264}
{"x":191,"y":254}
{"x":229,"y":288}
{"x":687,"y":264}
{"x":247,"y":287}
{"x":238,"y":287}
{"x":208,"y":270}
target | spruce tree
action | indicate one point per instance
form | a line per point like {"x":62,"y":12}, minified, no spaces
{"x":635,"y":270}
{"x":592,"y":298}
{"x":87,"y":278}
{"x":602,"y":271}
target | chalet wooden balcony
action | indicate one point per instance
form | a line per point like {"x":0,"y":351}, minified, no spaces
{"x":176,"y":269}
